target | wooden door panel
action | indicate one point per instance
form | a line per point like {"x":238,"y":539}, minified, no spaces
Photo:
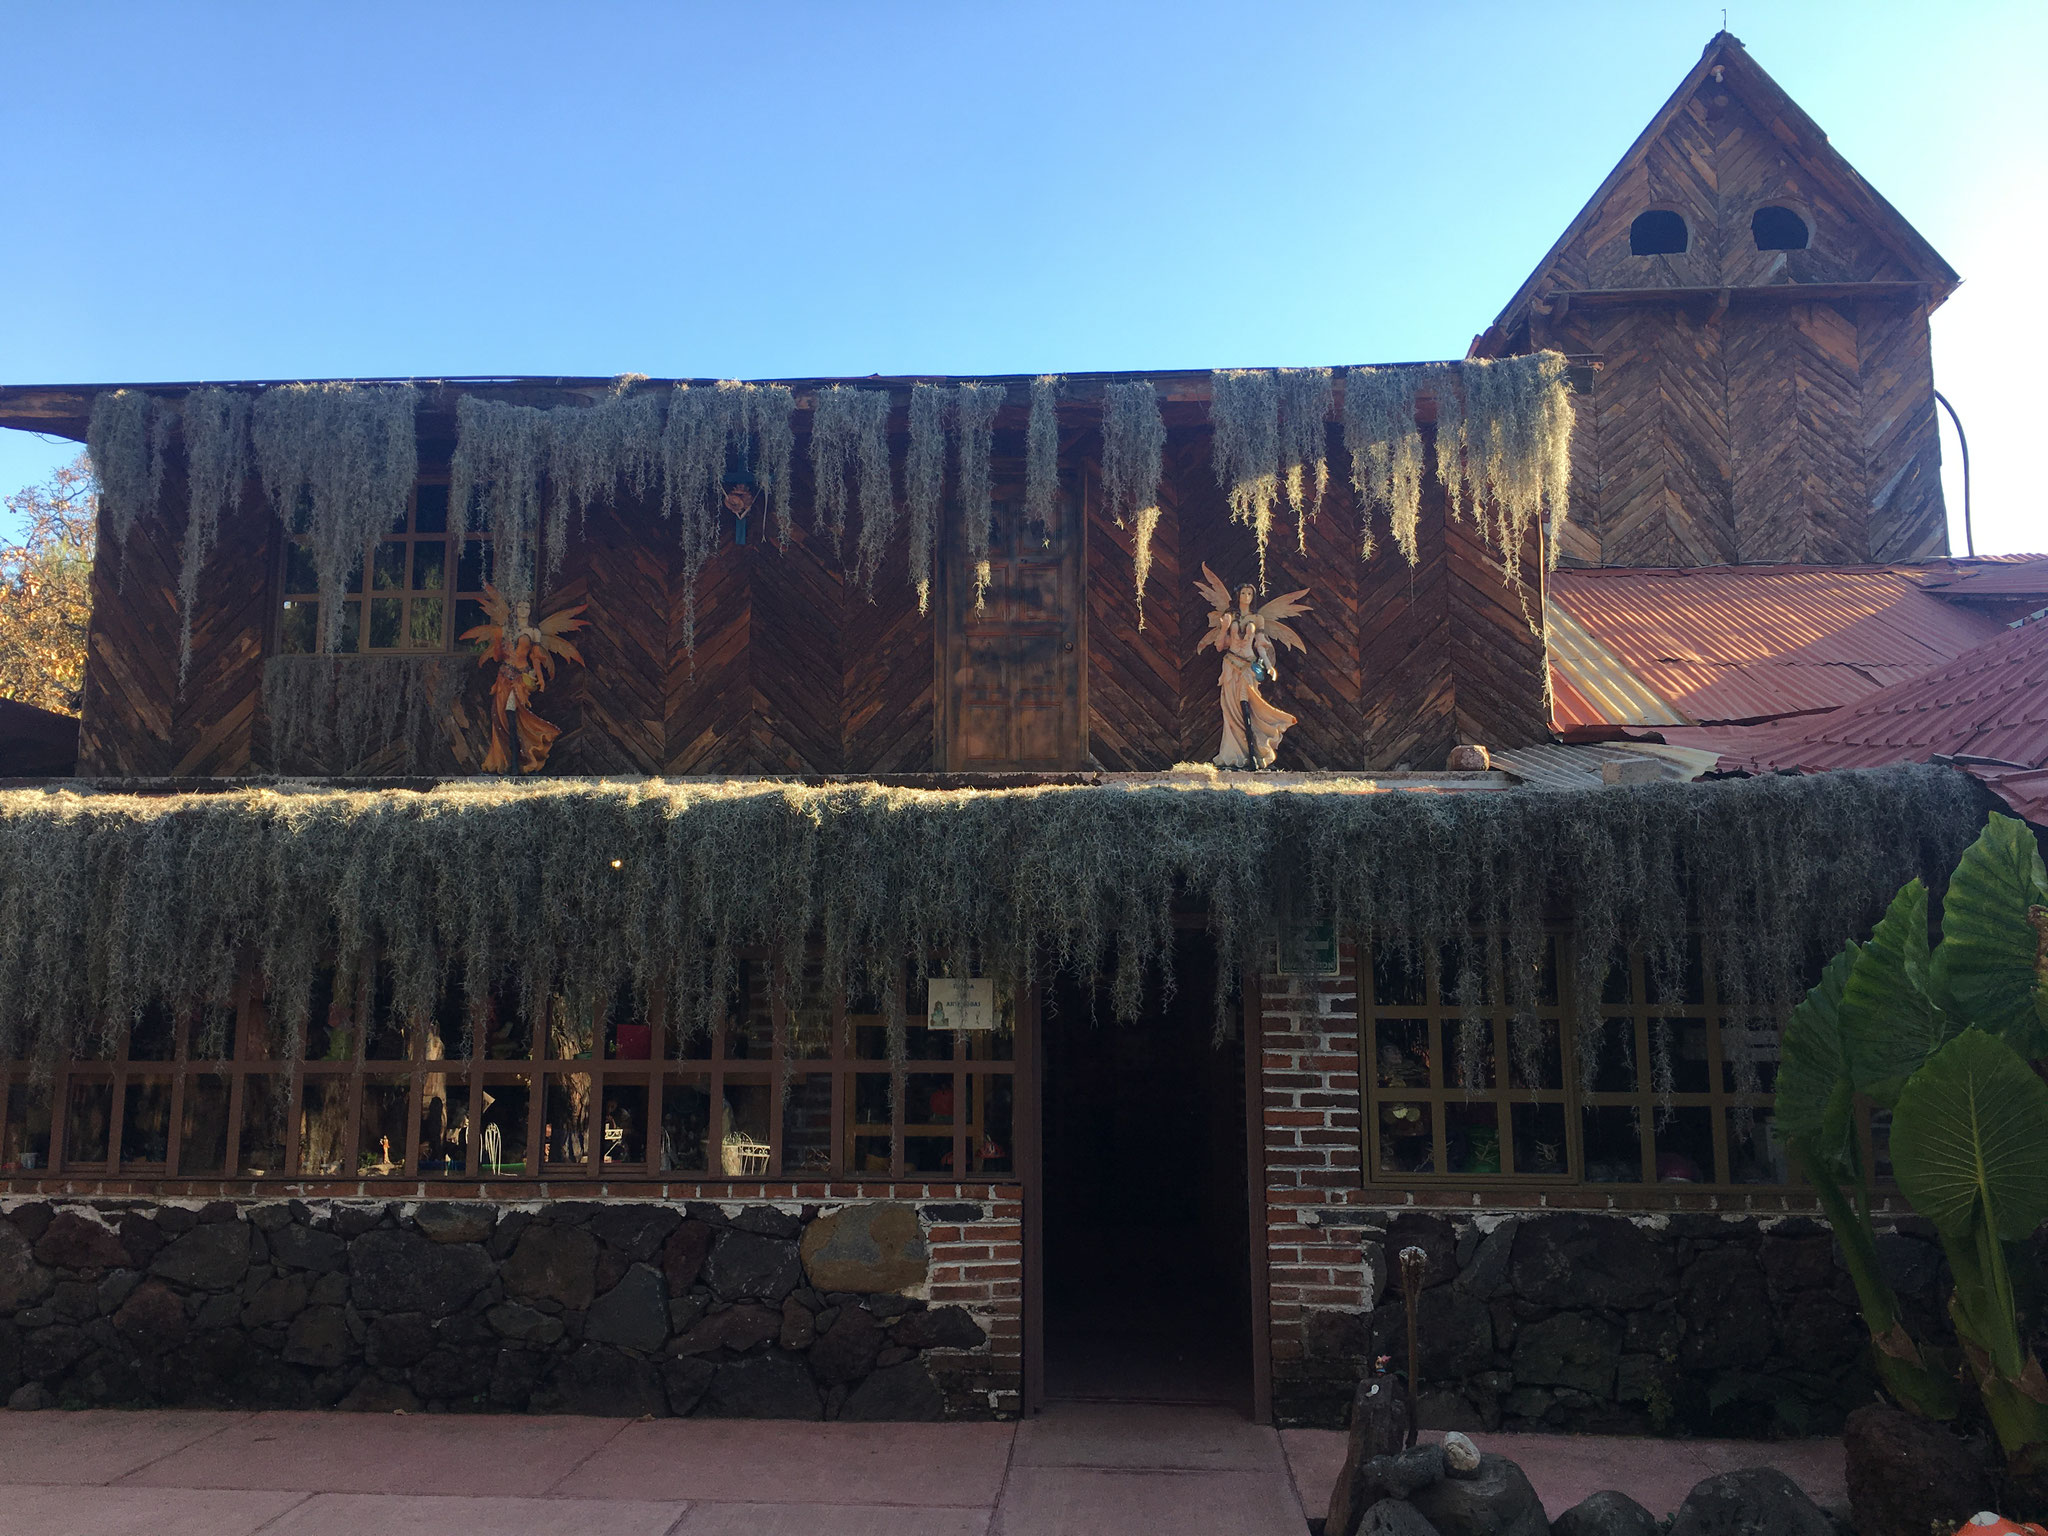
{"x":1013,"y":667}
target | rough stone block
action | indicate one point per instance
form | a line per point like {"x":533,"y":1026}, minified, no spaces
{"x":938,"y":1328}
{"x":456,"y":1221}
{"x":213,"y":1257}
{"x":73,"y":1241}
{"x":1569,"y":1350}
{"x":866,"y":1248}
{"x":607,"y":1382}
{"x":746,"y":1265}
{"x":1606,"y":1513}
{"x":394,"y":1271}
{"x":633,"y":1313}
{"x":769,"y":1386}
{"x":553,"y":1263}
{"x":895,"y":1392}
{"x":1748,"y":1502}
{"x":1495,"y":1501}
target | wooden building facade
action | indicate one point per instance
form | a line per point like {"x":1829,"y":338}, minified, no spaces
{"x":814,"y":1206}
{"x":796,"y":671}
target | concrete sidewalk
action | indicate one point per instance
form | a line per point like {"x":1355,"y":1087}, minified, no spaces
{"x":1079,"y":1470}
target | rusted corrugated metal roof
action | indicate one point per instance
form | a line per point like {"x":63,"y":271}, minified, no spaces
{"x":1735,"y":644}
{"x":1988,"y":708}
{"x":1996,"y":576}
{"x":1581,"y":767}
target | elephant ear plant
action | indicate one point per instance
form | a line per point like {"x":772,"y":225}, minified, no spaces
{"x":1950,"y":1038}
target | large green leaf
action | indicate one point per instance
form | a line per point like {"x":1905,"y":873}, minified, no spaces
{"x":1890,"y":1022}
{"x":1813,"y":1060}
{"x":1988,"y":969}
{"x":1970,"y":1140}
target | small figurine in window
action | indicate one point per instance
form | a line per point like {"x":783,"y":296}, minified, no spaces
{"x":1252,"y":727}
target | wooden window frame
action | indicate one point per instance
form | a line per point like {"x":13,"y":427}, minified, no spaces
{"x":454,"y":537}
{"x":478,"y":1071}
{"x":1639,"y":1013}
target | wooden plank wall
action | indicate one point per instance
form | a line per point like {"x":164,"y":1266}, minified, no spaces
{"x":1779,"y":433}
{"x":795,"y":673}
{"x":137,"y":719}
{"x":1770,"y":432}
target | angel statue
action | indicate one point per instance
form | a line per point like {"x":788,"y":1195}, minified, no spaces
{"x":1252,"y":728}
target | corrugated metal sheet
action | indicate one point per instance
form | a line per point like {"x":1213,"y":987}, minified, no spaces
{"x":1580,"y":767}
{"x":1745,"y":643}
{"x":1591,"y":685}
{"x":1990,"y":703}
{"x":2001,"y":576}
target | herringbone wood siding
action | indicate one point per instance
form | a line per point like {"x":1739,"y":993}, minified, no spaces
{"x":1752,"y":431}
{"x":794,"y":672}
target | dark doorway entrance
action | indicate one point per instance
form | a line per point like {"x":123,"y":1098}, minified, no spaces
{"x":1146,"y":1266}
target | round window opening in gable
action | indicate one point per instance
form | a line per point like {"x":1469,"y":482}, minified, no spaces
{"x":1778,"y":229}
{"x":1660,"y":232}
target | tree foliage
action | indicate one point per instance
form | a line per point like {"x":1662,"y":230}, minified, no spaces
{"x":46,"y":589}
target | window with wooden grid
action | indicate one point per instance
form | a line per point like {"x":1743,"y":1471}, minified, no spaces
{"x":425,"y":583}
{"x":776,"y":1091}
{"x":1482,"y":1092}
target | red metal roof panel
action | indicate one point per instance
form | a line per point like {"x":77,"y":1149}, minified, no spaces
{"x":1990,"y":703}
{"x":1757,"y":643}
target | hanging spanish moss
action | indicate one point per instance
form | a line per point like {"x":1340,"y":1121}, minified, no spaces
{"x":975,"y":409}
{"x":771,"y":413}
{"x":126,"y":438}
{"x":592,"y":451}
{"x":216,"y":430}
{"x":1244,"y":417}
{"x":338,"y":463}
{"x":1444,"y":383}
{"x":1133,"y":440}
{"x":704,"y":427}
{"x":1385,"y":447}
{"x":924,"y":481}
{"x":494,"y":481}
{"x":567,"y":889}
{"x":1305,"y":398}
{"x":849,"y":448}
{"x":347,"y":715}
{"x":1518,"y":425}
{"x":1042,"y":455}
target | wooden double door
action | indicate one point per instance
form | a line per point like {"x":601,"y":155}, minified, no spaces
{"x":1012,"y":679}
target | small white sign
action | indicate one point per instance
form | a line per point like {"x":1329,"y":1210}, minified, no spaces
{"x":962,"y":1003}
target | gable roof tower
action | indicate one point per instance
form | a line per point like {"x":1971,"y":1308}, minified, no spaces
{"x":1758,"y":315}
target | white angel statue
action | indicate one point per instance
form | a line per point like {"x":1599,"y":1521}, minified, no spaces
{"x":1252,"y":728}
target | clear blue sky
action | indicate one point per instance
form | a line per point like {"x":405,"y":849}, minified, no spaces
{"x":263,"y":191}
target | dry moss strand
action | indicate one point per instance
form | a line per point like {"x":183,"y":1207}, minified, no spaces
{"x":924,"y":481}
{"x":338,"y":463}
{"x":1133,"y":443}
{"x":1244,"y":418}
{"x":1519,"y":428}
{"x":347,"y":715}
{"x":1305,"y":400}
{"x":975,"y":410}
{"x":850,"y":459}
{"x":1042,"y":455}
{"x":1444,"y":383}
{"x":1385,"y":447}
{"x":771,"y":413}
{"x":216,"y":432}
{"x":124,"y":440}
{"x":592,"y":451}
{"x":495,"y":477}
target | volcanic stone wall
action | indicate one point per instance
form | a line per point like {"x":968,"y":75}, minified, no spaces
{"x":1663,"y":1309}
{"x":620,"y":1307}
